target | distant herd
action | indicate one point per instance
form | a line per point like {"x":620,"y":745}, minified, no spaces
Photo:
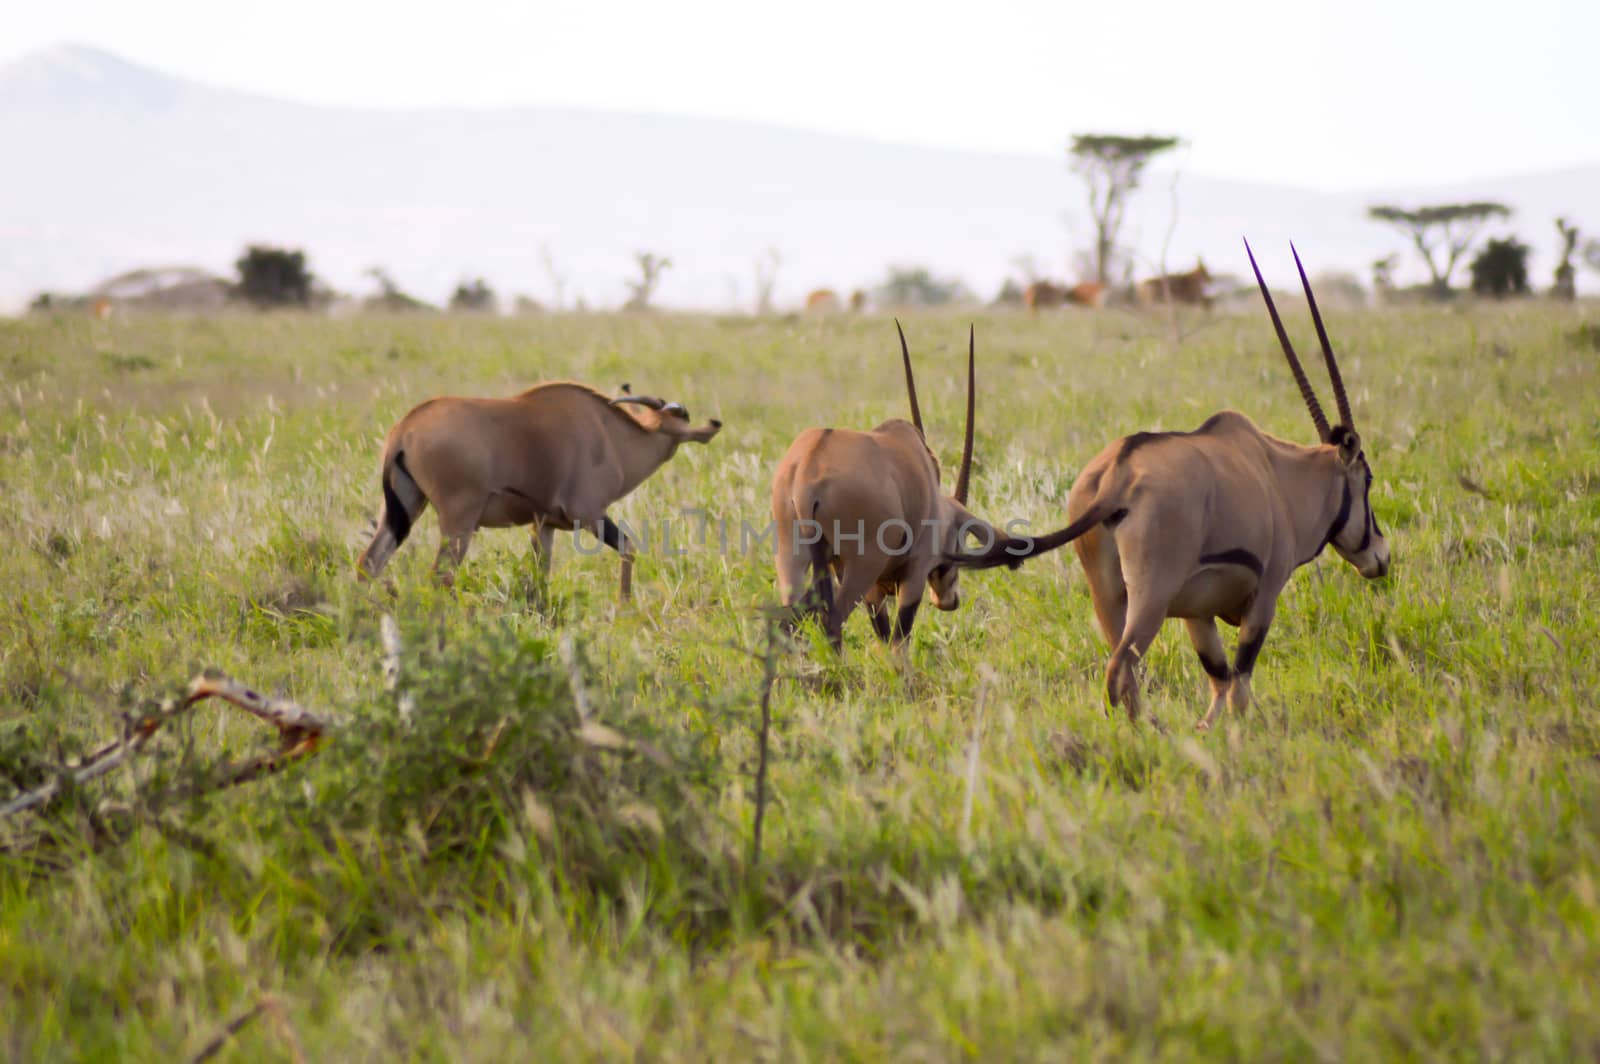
{"x":1194,"y":525}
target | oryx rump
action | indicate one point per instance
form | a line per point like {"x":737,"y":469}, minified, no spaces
{"x":866,"y":507}
{"x":555,"y":457}
{"x":1211,"y":523}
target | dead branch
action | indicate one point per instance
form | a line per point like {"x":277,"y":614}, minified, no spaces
{"x":301,"y":733}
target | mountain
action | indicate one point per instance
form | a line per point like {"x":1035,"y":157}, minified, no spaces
{"x":116,"y":166}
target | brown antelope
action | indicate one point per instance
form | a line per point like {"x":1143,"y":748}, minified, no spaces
{"x":1044,"y":294}
{"x":866,"y":507}
{"x":1176,"y":287}
{"x":555,"y":457}
{"x":822,"y":301}
{"x":1212,"y":523}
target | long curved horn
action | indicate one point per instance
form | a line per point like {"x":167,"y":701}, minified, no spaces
{"x":965,"y":475}
{"x":911,"y":384}
{"x":1339,"y":397}
{"x":1306,"y":393}
{"x":643,"y":400}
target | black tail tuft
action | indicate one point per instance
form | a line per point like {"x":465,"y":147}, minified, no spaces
{"x":1013,"y":552}
{"x":394,"y":511}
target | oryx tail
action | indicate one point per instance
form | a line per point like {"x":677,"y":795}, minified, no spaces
{"x":1012,"y":552}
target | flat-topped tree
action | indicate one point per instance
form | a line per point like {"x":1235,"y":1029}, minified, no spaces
{"x":1111,"y":165}
{"x":1444,"y":231}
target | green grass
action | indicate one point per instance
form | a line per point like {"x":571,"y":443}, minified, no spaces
{"x":1395,"y":853}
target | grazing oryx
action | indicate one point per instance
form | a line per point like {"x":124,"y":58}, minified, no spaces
{"x":1176,"y":288}
{"x":554,"y":457}
{"x":1211,"y":523}
{"x":822,"y":301}
{"x":866,"y":506}
{"x":1041,"y":295}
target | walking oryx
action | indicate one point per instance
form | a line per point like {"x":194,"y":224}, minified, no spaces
{"x":1176,"y":288}
{"x":866,"y":507}
{"x":555,"y":457}
{"x":1211,"y":523}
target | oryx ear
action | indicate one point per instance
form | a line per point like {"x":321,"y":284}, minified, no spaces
{"x":1348,"y":442}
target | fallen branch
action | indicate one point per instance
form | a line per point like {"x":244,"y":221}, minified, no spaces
{"x":300,"y":732}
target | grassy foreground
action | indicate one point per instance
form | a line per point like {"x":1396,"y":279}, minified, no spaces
{"x":1396,"y":853}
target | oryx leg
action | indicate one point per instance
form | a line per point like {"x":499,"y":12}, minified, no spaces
{"x":544,"y":542}
{"x":1252,"y":633}
{"x":456,"y":526}
{"x":1097,"y":553}
{"x":908,"y":600}
{"x":1150,"y":584}
{"x":1145,"y":614}
{"x":1214,"y":659}
{"x":878,"y":612}
{"x":858,"y":580}
{"x":619,"y":541}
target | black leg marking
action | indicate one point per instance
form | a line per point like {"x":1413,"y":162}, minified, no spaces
{"x":610,"y":534}
{"x":1217,"y":670}
{"x":1244,"y":661}
{"x":906,"y":618}
{"x":821,"y":593}
{"x":879,"y":616}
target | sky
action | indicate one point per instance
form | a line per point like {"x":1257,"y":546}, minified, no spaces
{"x":1327,"y":95}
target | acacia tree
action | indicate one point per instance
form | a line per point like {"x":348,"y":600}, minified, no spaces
{"x":1445,"y":230}
{"x":1501,"y":269}
{"x":766,"y":270}
{"x":273,"y":277}
{"x":1111,"y":165}
{"x":650,"y":267}
{"x":1566,"y":286}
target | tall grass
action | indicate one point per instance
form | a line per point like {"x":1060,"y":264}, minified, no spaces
{"x":1393,"y":853}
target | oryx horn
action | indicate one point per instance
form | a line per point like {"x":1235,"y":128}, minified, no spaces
{"x":1317,"y":417}
{"x":911,"y":384}
{"x":965,"y":474}
{"x":1345,"y":418}
{"x":643,"y":400}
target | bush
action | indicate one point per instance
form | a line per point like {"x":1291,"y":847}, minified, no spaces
{"x":273,"y":277}
{"x":916,"y":286}
{"x":1501,"y":269}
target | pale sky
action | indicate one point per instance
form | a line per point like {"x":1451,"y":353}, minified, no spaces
{"x":1330,"y":95}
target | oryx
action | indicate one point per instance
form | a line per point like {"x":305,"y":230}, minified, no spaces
{"x":1190,"y":287}
{"x":1211,"y":523}
{"x":555,"y":457}
{"x":866,"y":507}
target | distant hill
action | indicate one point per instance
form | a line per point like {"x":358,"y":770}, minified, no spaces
{"x":112,"y":166}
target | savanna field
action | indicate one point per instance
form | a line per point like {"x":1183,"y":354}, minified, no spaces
{"x":1394,"y":853}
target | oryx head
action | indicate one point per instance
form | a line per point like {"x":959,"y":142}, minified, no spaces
{"x":956,"y":522}
{"x":1354,"y":534}
{"x":659,"y":416}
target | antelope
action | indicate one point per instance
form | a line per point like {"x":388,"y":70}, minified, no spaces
{"x":1043,"y":294}
{"x":1176,"y":287}
{"x":554,"y":457}
{"x":1212,"y":523}
{"x":822,"y":301}
{"x":866,"y":507}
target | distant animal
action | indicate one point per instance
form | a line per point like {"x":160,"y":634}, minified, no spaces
{"x":1176,"y":288}
{"x":858,"y":301}
{"x":1041,"y":295}
{"x":555,"y":457}
{"x":1212,"y":523}
{"x":866,"y":508}
{"x":822,"y":300}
